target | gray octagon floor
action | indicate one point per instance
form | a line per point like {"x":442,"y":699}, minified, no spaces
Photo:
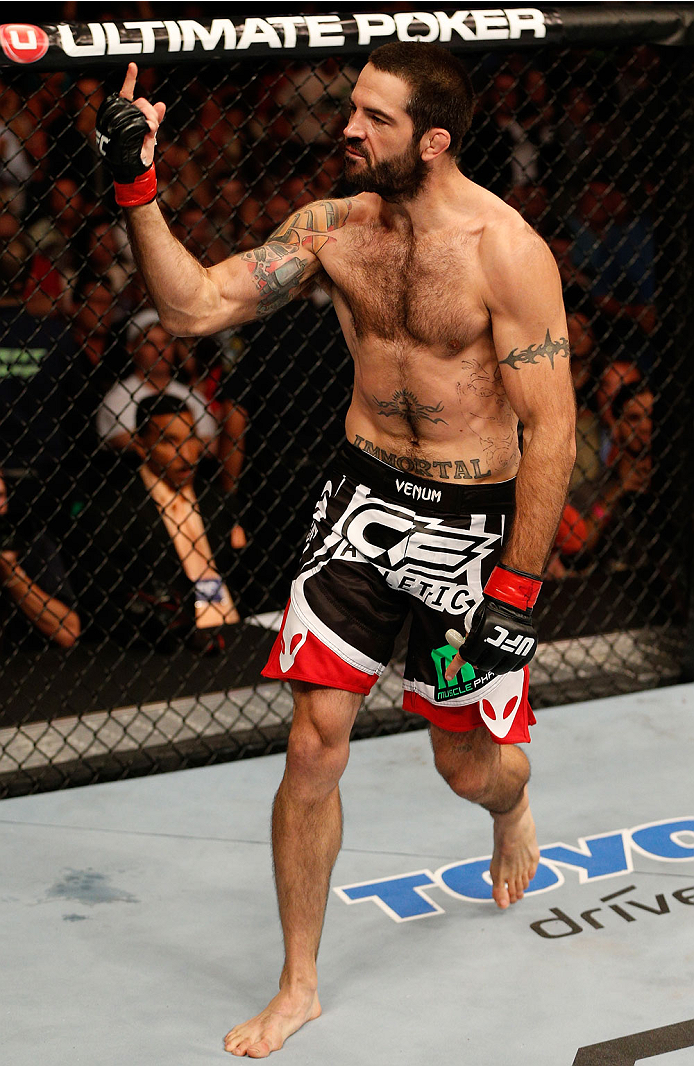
{"x":139,"y":924}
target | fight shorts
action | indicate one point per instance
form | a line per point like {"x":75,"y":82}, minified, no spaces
{"x":384,"y":544}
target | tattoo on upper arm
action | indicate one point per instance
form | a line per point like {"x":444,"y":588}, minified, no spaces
{"x":547,"y":350}
{"x":279,"y":273}
{"x":311,"y":225}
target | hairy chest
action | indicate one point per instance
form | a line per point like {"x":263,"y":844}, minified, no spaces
{"x":424,"y":292}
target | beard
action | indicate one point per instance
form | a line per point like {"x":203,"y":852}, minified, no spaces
{"x":400,"y":178}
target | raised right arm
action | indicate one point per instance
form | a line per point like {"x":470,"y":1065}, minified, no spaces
{"x":192,"y":299}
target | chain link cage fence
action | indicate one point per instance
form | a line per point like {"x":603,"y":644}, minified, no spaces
{"x":106,"y":669}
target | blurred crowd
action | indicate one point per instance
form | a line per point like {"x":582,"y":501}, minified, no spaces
{"x":145,"y":536}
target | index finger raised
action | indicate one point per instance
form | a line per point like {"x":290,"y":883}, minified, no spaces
{"x":128,"y":90}
{"x":454,"y":666}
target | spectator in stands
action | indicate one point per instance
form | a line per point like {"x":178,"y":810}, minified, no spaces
{"x":303,"y":112}
{"x":616,"y":248}
{"x":36,"y":599}
{"x":37,"y":362}
{"x":510,"y":144}
{"x":217,"y":137}
{"x":73,"y":153}
{"x":616,"y":514}
{"x":195,"y":230}
{"x":576,"y":284}
{"x":15,"y":161}
{"x":589,"y":429}
{"x":60,"y":238}
{"x":618,"y":373}
{"x":109,"y":258}
{"x":584,"y":139}
{"x":93,"y":318}
{"x":205,"y":369}
{"x":154,"y":542}
{"x":100,"y":358}
{"x":153,"y":352}
{"x":183,"y":180}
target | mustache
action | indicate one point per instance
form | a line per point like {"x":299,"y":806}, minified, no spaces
{"x":355,"y":146}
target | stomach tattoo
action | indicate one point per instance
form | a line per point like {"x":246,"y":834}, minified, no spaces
{"x":441,"y":469}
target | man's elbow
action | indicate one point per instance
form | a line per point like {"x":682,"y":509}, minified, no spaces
{"x":181,"y":323}
{"x":200,"y":321}
{"x":555,"y":439}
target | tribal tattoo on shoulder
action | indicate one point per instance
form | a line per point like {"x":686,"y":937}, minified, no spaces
{"x":279,"y":274}
{"x":549,"y":349}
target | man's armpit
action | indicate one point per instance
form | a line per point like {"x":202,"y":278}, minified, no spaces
{"x":548,"y":349}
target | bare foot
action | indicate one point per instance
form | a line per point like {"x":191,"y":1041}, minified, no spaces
{"x":516,"y":853}
{"x":267,"y":1032}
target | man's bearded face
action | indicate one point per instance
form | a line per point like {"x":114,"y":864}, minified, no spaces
{"x":399,"y":178}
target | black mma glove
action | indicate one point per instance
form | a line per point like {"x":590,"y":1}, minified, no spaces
{"x":120,"y":132}
{"x":501,"y":636}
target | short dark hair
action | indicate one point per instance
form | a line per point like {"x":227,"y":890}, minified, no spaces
{"x":163,"y":403}
{"x":441,"y":92}
{"x":630,"y":390}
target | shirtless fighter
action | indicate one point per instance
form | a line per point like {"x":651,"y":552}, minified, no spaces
{"x":452,"y":309}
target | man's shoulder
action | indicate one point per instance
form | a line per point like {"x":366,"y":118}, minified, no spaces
{"x":321,"y":216}
{"x":510,"y":248}
{"x":502,"y":227}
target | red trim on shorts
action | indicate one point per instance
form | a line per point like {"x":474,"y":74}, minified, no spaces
{"x":318,"y":665}
{"x":463,"y":719}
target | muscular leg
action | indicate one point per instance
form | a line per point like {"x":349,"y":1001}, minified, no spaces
{"x":306,"y":838}
{"x":496,"y":777}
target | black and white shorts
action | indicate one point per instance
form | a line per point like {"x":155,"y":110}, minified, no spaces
{"x":383,"y":544}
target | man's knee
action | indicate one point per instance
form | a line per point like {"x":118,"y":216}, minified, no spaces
{"x":318,"y":748}
{"x":470,"y":778}
{"x":468,"y":764}
{"x":478,"y":769}
{"x":310,"y":755}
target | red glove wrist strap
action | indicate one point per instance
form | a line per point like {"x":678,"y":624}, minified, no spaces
{"x":141,"y":191}
{"x":520,"y":590}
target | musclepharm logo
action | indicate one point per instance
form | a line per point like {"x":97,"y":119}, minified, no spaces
{"x":404,"y":897}
{"x":465,"y":681}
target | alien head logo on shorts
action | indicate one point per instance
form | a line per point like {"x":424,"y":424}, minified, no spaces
{"x":294,"y":636}
{"x":22,"y":42}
